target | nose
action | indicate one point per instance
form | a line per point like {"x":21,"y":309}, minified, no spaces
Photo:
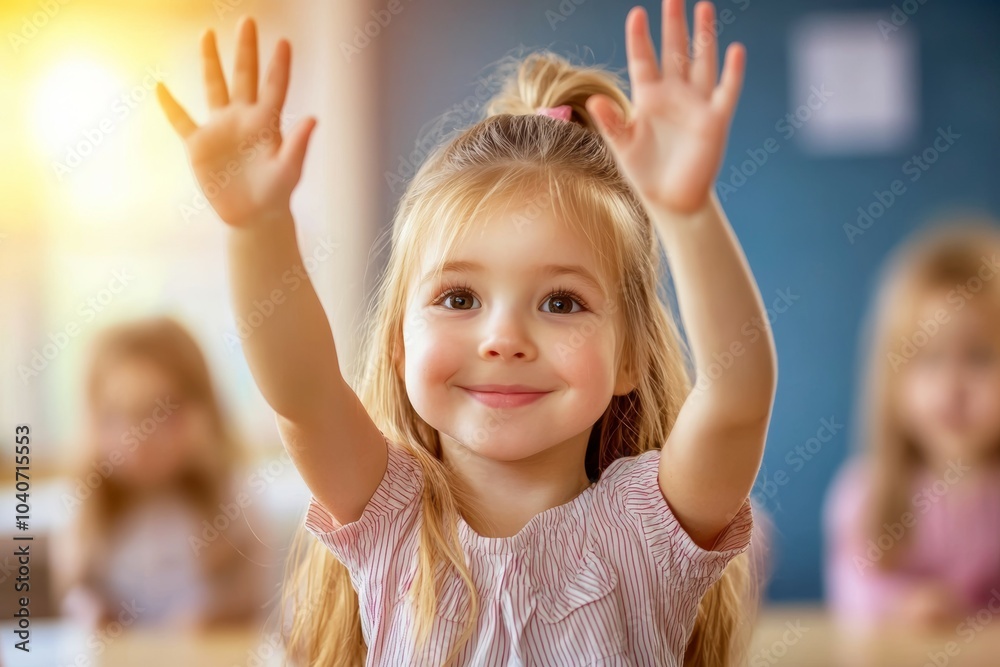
{"x":507,"y":336}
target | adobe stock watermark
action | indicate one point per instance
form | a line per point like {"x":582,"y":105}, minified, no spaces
{"x":268,"y":649}
{"x":130,"y":440}
{"x":580,"y":333}
{"x":494,"y":422}
{"x":701,"y":38}
{"x":958,"y":297}
{"x":751,"y":332}
{"x":796,"y":459}
{"x":249,"y":148}
{"x":566,"y":8}
{"x":771,"y":655}
{"x":87,"y":143}
{"x":231,"y":510}
{"x":968,"y":629}
{"x":562,"y":12}
{"x":540,"y":204}
{"x":223,"y":7}
{"x":372,"y":28}
{"x":786,"y":126}
{"x":33,"y":23}
{"x":441,"y":128}
{"x":923,"y":500}
{"x":99,"y":641}
{"x":899,"y":17}
{"x":915,"y":167}
{"x":292,"y":279}
{"x":88,"y":311}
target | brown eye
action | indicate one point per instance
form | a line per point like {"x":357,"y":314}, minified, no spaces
{"x":565,"y":300}
{"x":562,"y":304}
{"x":462,"y":299}
{"x":980,"y":356}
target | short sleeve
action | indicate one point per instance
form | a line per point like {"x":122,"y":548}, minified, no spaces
{"x":390,"y":515}
{"x":633,"y":482}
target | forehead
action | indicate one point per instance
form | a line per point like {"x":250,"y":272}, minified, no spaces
{"x":128,"y":381}
{"x":539,"y":244}
{"x":959,"y":317}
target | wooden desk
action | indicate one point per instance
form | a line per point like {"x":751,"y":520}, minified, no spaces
{"x":790,"y":636}
{"x":805,"y":636}
{"x":60,"y":644}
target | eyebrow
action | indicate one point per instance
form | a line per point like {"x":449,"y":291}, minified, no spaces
{"x":547,"y":270}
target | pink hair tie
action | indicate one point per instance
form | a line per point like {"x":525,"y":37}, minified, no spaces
{"x":562,"y":112}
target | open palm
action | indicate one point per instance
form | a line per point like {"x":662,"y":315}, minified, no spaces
{"x":245,"y":168}
{"x":672,"y":148}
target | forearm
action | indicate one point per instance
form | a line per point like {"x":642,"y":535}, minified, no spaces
{"x":287,"y":338}
{"x":719,"y":303}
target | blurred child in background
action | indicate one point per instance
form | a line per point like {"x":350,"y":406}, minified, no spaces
{"x":913,"y":523}
{"x":160,"y":536}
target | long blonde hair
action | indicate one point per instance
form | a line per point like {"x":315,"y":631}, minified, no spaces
{"x":518,"y":162}
{"x":204,"y":479}
{"x":943,"y":256}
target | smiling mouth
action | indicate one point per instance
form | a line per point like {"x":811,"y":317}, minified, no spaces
{"x":495,"y":399}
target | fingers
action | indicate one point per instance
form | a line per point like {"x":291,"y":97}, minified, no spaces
{"x":642,"y":65}
{"x":215,"y":81}
{"x":293,"y":149}
{"x":727,"y":93}
{"x":675,"y":40}
{"x":178,"y":118}
{"x":275,"y":86}
{"x":705,"y":68}
{"x":608,"y":120}
{"x":245,"y":74}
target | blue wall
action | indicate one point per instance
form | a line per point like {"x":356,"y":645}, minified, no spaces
{"x":789,"y":216}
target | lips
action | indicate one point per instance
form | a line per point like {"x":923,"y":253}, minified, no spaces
{"x":506,"y":388}
{"x":504,"y":396}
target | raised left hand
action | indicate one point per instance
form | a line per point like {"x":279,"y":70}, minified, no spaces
{"x":672,"y":149}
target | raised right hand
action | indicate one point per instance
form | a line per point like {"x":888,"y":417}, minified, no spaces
{"x":243,"y":166}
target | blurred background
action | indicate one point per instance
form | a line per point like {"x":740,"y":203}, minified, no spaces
{"x":101,"y":221}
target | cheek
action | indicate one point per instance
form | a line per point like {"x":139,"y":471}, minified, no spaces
{"x":586,"y":363}
{"x":918,"y":397}
{"x":432,"y":355}
{"x":985,"y":400}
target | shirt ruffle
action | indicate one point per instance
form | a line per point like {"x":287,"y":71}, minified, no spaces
{"x":634,"y":482}
{"x":398,"y":489}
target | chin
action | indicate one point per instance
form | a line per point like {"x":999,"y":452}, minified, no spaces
{"x":509,"y":446}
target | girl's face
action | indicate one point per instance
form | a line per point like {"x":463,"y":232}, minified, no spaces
{"x":147,"y":430}
{"x":512,"y":319}
{"x":950,"y":390}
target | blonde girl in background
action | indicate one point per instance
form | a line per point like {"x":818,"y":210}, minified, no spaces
{"x":913,"y":520}
{"x":520,"y":473}
{"x":159,"y":461}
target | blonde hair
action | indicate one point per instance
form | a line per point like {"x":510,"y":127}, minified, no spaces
{"x":943,"y":256}
{"x":515,"y":161}
{"x":203,"y":481}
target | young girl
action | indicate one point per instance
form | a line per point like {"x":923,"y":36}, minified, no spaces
{"x":495,"y":492}
{"x":913,"y":522}
{"x":158,"y":462}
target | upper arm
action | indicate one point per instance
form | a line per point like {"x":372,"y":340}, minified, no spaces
{"x":339,"y":452}
{"x":708,"y":467}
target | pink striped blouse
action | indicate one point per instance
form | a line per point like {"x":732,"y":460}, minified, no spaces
{"x":609,"y":578}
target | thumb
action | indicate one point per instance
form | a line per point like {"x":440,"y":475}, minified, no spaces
{"x":293,"y":152}
{"x":608,"y":119}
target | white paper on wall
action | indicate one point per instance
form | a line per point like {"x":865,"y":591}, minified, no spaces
{"x":853,"y":84}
